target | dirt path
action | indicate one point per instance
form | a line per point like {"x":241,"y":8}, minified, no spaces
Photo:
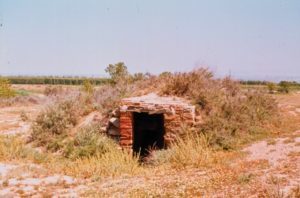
{"x":283,"y":157}
{"x":17,"y":119}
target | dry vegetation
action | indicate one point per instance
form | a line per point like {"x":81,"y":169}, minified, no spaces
{"x":205,"y":161}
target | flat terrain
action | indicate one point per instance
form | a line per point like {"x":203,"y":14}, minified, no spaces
{"x":270,"y":167}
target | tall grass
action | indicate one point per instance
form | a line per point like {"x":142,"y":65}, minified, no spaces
{"x":193,"y":151}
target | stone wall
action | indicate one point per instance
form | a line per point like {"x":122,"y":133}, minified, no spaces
{"x":175,"y":121}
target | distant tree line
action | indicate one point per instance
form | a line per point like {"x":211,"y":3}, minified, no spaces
{"x":253,"y":82}
{"x":282,"y":86}
{"x":258,"y":82}
{"x":54,"y":80}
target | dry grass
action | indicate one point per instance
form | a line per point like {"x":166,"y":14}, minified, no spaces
{"x":192,"y":152}
{"x":111,"y":164}
{"x":114,"y":162}
{"x":13,"y":148}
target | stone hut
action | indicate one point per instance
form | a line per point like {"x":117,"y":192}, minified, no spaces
{"x":152,"y":121}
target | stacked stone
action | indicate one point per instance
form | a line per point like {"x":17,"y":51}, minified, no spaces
{"x":113,"y":127}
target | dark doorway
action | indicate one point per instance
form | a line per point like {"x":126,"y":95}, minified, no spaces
{"x":148,"y":132}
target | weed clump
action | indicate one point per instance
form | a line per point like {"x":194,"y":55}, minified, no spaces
{"x":284,"y":87}
{"x":53,"y":90}
{"x":53,"y":130}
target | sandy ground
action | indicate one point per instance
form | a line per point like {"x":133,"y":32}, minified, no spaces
{"x":281,"y":156}
{"x":32,"y":180}
{"x":11,"y":121}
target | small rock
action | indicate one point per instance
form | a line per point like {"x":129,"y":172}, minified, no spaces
{"x":103,"y":129}
{"x":113,"y":131}
{"x":115,"y":122}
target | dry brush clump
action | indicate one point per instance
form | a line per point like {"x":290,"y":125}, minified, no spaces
{"x":53,"y":90}
{"x":52,"y":125}
{"x":108,"y":97}
{"x":230,"y":115}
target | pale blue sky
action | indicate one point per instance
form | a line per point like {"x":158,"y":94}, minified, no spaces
{"x":81,"y":37}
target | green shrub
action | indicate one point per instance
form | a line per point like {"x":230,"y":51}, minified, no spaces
{"x":5,"y":88}
{"x":89,"y":141}
{"x":117,"y":72}
{"x":88,"y":87}
{"x":284,"y":87}
{"x":271,"y":87}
